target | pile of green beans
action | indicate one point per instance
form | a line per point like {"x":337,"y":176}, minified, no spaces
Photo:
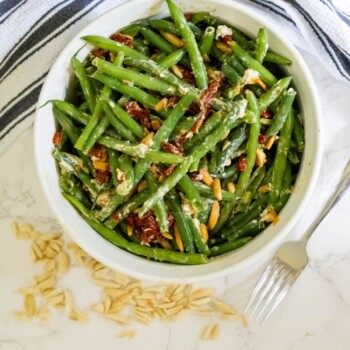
{"x":180,"y":138}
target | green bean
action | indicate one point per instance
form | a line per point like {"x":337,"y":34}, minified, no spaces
{"x":219,"y":55}
{"x":113,"y":46}
{"x":233,"y":61}
{"x":140,"y":151}
{"x":139,"y":95}
{"x":244,"y":177}
{"x":157,"y":70}
{"x":159,"y":208}
{"x":207,"y":42}
{"x":132,"y":29}
{"x":293,"y":155}
{"x":191,"y":192}
{"x":256,"y":179}
{"x":198,"y":33}
{"x":157,"y":40}
{"x":72,"y":111}
{"x":203,"y":216}
{"x":249,"y":62}
{"x":141,"y":167}
{"x":194,"y":166}
{"x":127,"y":120}
{"x":184,"y":126}
{"x":182,"y":223}
{"x":251,"y":228}
{"x":286,"y":191}
{"x":209,"y":125}
{"x":227,"y":173}
{"x":229,"y":246}
{"x":172,"y":59}
{"x":282,"y":113}
{"x":241,"y":219}
{"x":298,"y":133}
{"x":252,"y":143}
{"x":84,"y":83}
{"x":121,"y":129}
{"x":280,"y":161}
{"x":215,"y":153}
{"x":164,"y":26}
{"x":169,"y":183}
{"x":232,"y":76}
{"x":136,"y":78}
{"x":72,"y":132}
{"x":272,"y":94}
{"x":275,"y":58}
{"x":117,"y":239}
{"x":234,"y":141}
{"x":199,"y":242}
{"x":72,"y":164}
{"x":261,"y":45}
{"x":69,"y":186}
{"x":217,"y":134}
{"x":188,"y":37}
{"x":203,"y":163}
{"x":125,"y":186}
{"x":140,"y":46}
{"x":98,"y":131}
{"x":127,"y":208}
{"x":203,"y":17}
{"x":114,"y":165}
{"x":208,"y":192}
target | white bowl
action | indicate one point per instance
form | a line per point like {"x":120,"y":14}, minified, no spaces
{"x":246,"y":257}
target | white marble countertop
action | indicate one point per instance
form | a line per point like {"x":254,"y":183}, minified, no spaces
{"x":315,"y":314}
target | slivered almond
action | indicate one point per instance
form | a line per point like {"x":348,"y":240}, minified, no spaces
{"x":174,"y":310}
{"x":43,"y":313}
{"x":271,"y":140}
{"x":202,"y":293}
{"x":119,"y":319}
{"x":57,"y":299}
{"x":50,"y":236}
{"x":113,"y":292}
{"x":260,"y":157}
{"x":166,"y":245}
{"x":217,"y":189}
{"x":231,"y":187}
{"x":107,"y":304}
{"x":37,"y":251}
{"x":224,"y":308}
{"x":63,"y":262}
{"x":206,"y":177}
{"x":29,"y":304}
{"x":128,"y":333}
{"x":79,"y":316}
{"x":178,"y":238}
{"x":223,"y":47}
{"x":173,"y":39}
{"x":161,"y":105}
{"x":176,"y":70}
{"x":202,"y":301}
{"x":48,"y":283}
{"x":148,"y":139}
{"x":204,"y":231}
{"x":69,"y":302}
{"x":15,"y":227}
{"x":21,"y":315}
{"x":214,"y":215}
{"x":106,"y":283}
{"x":141,"y":186}
{"x":99,"y":308}
{"x":264,"y":188}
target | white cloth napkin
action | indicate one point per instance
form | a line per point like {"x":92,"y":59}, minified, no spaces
{"x":33,"y":32}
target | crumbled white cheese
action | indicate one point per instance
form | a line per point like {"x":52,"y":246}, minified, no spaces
{"x":222,"y":31}
{"x":250,"y":76}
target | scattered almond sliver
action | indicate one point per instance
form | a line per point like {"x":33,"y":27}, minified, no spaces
{"x":124,"y":299}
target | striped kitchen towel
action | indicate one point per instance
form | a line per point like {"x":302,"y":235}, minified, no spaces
{"x":33,"y":32}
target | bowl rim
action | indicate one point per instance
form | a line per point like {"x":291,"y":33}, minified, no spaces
{"x":180,"y":277}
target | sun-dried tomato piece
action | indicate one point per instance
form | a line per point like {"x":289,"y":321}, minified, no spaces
{"x":122,"y":38}
{"x":205,"y":99}
{"x":57,"y":138}
{"x":101,"y":176}
{"x":142,"y":115}
{"x":99,"y":53}
{"x":170,"y":147}
{"x":167,"y":171}
{"x":172,"y":101}
{"x":267,"y":114}
{"x":262,"y":138}
{"x":242,"y":164}
{"x":116,"y":217}
{"x":227,"y":38}
{"x":188,"y":15}
{"x":171,"y":219}
{"x":188,"y":76}
{"x":146,"y":228}
{"x":98,"y":152}
{"x":194,"y":108}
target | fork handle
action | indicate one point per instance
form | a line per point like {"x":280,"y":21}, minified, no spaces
{"x":339,"y":191}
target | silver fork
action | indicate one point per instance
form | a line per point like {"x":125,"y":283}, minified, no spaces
{"x":288,"y":263}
